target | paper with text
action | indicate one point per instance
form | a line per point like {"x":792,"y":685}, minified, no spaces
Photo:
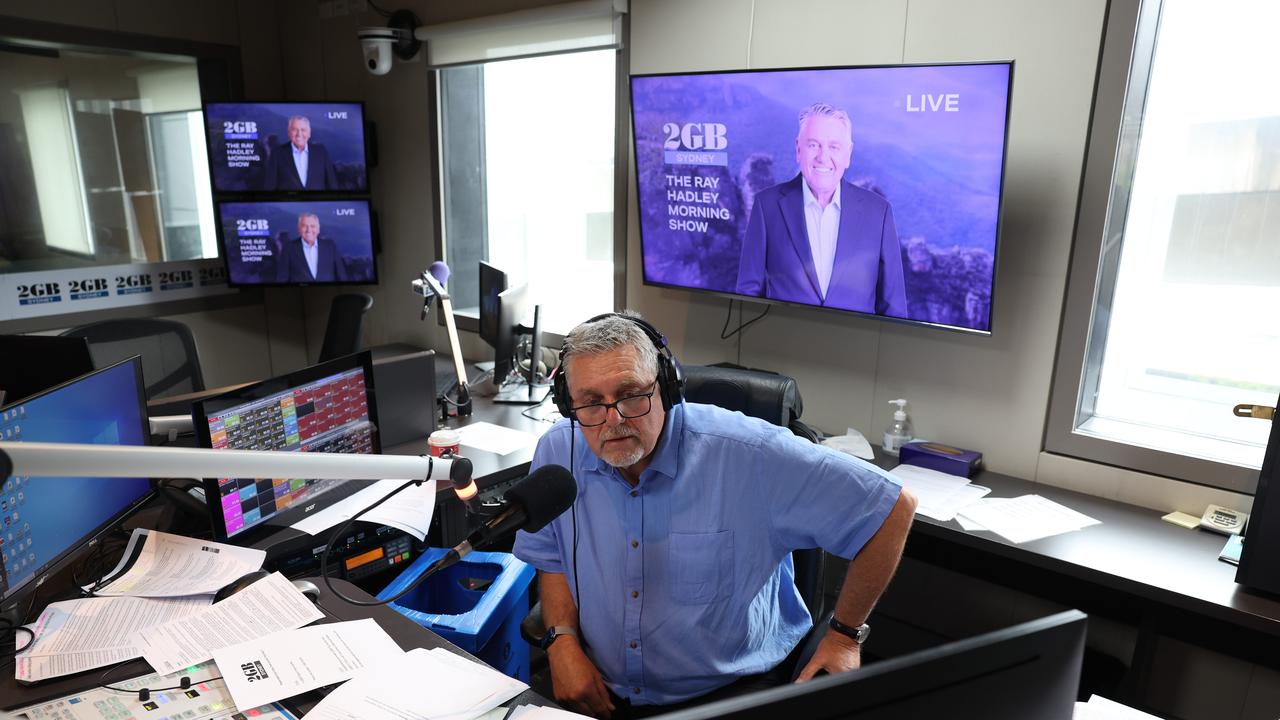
{"x":77,"y":635}
{"x":410,"y":511}
{"x":269,"y":605}
{"x":422,"y":685}
{"x":939,"y":495}
{"x":290,"y":662}
{"x":1026,"y":518}
{"x":172,"y":566}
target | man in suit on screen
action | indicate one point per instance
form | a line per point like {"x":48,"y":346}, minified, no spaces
{"x":818,"y":239}
{"x":310,"y":258}
{"x":299,"y":164}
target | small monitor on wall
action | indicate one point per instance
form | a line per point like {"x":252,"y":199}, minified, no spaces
{"x":278,"y":147}
{"x":313,"y":242}
{"x":872,"y":190}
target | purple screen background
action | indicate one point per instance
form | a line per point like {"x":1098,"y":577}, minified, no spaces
{"x":342,"y":138}
{"x":352,"y":233}
{"x":940,"y":171}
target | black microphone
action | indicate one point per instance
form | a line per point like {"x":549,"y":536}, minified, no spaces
{"x":530,"y":505}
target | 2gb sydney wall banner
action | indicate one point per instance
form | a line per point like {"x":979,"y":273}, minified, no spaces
{"x":59,"y":292}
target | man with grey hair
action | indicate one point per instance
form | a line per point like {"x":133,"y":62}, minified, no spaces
{"x":670,"y":582}
{"x":310,"y":258}
{"x":817,"y":239}
{"x":299,"y":164}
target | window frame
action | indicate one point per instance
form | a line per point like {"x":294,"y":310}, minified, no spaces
{"x":219,"y":72}
{"x":468,"y":319}
{"x":1129,"y":36}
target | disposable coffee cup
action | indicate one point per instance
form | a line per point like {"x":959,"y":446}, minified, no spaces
{"x":444,"y":442}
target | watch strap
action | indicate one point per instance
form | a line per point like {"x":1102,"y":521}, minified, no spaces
{"x":857,"y":634}
{"x":555,"y":632}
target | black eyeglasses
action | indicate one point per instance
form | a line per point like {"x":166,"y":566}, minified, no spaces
{"x":633,"y":406}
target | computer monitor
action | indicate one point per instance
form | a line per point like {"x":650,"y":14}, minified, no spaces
{"x":324,"y":408}
{"x":32,"y":363}
{"x":47,"y":521}
{"x":493,"y":282}
{"x":1031,"y":670}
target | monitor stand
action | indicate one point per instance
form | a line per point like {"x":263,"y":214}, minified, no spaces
{"x":518,"y":392}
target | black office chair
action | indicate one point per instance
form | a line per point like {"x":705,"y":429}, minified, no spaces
{"x":345,"y":331}
{"x":170,"y":361}
{"x":768,"y":396}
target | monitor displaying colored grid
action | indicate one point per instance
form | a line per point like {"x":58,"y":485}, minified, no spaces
{"x":330,"y":413}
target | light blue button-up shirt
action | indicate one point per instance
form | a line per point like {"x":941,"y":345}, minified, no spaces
{"x":686,"y":579}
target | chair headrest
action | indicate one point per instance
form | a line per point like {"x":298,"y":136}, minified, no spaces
{"x":768,"y":396}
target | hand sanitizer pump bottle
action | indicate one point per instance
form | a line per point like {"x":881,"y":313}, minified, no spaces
{"x":899,"y":432}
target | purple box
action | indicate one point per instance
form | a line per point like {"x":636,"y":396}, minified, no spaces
{"x":943,"y":458}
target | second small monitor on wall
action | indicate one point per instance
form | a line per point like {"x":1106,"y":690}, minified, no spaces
{"x":320,"y":242}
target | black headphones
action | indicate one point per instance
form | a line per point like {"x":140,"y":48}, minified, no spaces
{"x":670,"y":377}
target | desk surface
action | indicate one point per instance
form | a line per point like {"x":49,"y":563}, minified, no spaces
{"x":407,"y":634}
{"x":1132,"y":551}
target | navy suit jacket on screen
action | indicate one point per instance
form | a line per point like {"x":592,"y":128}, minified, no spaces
{"x":777,"y":262}
{"x":282,"y":173}
{"x":292,"y":266}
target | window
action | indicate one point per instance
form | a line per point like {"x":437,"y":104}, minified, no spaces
{"x":527,"y":149}
{"x":102,"y":160}
{"x":1175,"y":282}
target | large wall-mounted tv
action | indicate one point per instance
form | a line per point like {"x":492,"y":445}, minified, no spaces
{"x":281,"y":147}
{"x":297,"y":242}
{"x":873,"y":190}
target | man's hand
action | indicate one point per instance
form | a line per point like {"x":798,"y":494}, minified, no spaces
{"x":836,"y":653}
{"x":575,"y":679}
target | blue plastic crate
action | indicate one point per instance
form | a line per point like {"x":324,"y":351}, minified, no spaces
{"x":477,"y":604}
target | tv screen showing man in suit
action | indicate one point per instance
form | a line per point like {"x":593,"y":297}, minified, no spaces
{"x":287,"y":147}
{"x":874,"y":190}
{"x":298,"y":242}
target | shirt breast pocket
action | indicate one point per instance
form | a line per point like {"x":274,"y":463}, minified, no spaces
{"x":701,"y":566}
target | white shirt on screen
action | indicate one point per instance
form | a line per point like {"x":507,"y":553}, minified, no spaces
{"x":312,"y":254}
{"x":823,"y":227}
{"x":300,"y":161}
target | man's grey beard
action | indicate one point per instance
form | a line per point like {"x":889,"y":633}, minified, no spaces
{"x":614,"y":457}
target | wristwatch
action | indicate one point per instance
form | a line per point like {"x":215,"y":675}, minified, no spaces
{"x":555,"y":632}
{"x":857,"y":634}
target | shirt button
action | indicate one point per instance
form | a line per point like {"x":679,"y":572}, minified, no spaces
{"x":635,"y":493}
{"x":635,"y":593}
{"x":634,"y":644}
{"x":635,"y":543}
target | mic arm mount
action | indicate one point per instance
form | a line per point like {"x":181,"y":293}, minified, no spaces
{"x":429,"y":287}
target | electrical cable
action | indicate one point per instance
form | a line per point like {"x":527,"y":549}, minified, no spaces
{"x":144,"y":694}
{"x":378,"y":10}
{"x":342,"y":530}
{"x":741,"y":325}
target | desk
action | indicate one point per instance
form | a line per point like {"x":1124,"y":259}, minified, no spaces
{"x":407,"y":634}
{"x":1133,"y":567}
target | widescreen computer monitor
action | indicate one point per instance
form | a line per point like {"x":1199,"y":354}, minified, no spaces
{"x":324,"y":408}
{"x":32,"y":363}
{"x":47,"y":521}
{"x":1031,"y":670}
{"x":263,"y":242}
{"x":513,"y":305}
{"x":258,"y":147}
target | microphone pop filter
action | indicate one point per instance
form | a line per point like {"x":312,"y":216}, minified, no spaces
{"x":439,"y":271}
{"x":545,"y":495}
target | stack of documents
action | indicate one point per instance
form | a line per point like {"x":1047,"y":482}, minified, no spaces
{"x":496,"y":439}
{"x":1022,"y":519}
{"x":292,"y":662}
{"x":939,"y":495}
{"x":433,"y":684}
{"x":161,"y":579}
